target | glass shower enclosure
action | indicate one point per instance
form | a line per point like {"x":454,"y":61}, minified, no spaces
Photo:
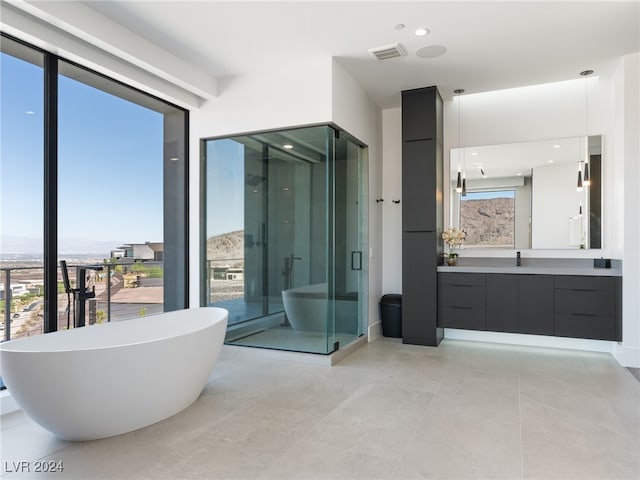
{"x":285,"y":237}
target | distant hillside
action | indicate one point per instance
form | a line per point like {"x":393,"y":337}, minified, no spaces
{"x":488,"y":222}
{"x":227,"y":246}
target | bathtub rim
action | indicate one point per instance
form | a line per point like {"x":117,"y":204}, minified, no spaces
{"x":206,"y":322}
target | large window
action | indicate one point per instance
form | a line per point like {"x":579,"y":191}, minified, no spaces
{"x":21,"y":194}
{"x":94,"y":173}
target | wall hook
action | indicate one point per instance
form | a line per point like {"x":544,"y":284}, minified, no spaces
{"x":378,"y":200}
{"x":396,"y":201}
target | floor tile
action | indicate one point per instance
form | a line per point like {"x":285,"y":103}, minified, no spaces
{"x":462,"y":410}
{"x":312,"y":461}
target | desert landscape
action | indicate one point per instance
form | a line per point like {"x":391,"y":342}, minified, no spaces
{"x":489,"y":222}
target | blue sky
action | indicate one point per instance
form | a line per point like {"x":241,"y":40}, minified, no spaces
{"x":225,"y":187}
{"x":110,"y":160}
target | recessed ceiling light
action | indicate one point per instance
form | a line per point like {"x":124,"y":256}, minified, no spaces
{"x":421,"y":32}
{"x":431,"y":51}
{"x":174,"y":159}
{"x":288,"y":146}
{"x":549,"y":161}
{"x":399,"y":26}
{"x":475,"y":154}
{"x":519,"y":174}
{"x":556,"y":146}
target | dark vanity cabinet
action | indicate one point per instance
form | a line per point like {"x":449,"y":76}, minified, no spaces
{"x":535,"y":304}
{"x":462,"y":300}
{"x":585,"y":307}
{"x":422,"y":214}
{"x":502,"y":302}
{"x":419,"y":279}
{"x":419,"y":160}
{"x":559,"y":305}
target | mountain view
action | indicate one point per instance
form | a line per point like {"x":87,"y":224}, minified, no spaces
{"x":228,"y":247}
{"x":488,"y":222}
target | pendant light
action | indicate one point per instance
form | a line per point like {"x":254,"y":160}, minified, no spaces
{"x":464,"y":183}
{"x":587,"y":178}
{"x":460,"y":184}
{"x":580,"y":185}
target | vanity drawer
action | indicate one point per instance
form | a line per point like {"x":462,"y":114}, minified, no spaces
{"x":459,"y":279}
{"x":585,"y":302}
{"x":583,"y":283}
{"x":468,"y":318}
{"x":597,"y":327}
{"x":468,"y":296}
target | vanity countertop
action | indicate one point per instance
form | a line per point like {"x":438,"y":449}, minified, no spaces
{"x":530,"y":270}
{"x":534,"y":266}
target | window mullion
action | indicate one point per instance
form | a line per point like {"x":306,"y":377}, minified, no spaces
{"x":50,"y":193}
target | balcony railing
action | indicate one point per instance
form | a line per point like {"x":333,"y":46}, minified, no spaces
{"x":122,"y":290}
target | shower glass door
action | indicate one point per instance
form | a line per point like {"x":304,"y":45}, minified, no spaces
{"x":283,"y":224}
{"x":348,"y":260}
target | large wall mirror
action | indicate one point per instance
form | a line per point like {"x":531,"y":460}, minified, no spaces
{"x":541,"y":195}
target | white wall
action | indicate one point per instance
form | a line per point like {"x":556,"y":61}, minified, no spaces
{"x":314,"y":92}
{"x":627,"y":150}
{"x":391,"y":190}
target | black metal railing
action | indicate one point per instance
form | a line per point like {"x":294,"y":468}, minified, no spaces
{"x":24,"y":300}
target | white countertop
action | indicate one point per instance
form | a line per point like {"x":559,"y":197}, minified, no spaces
{"x":534,"y":270}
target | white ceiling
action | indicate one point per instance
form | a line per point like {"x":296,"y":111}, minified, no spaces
{"x":490,"y":45}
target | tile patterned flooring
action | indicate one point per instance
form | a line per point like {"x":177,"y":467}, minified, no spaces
{"x":389,"y":411}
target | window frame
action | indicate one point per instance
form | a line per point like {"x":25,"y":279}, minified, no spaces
{"x":51,"y":72}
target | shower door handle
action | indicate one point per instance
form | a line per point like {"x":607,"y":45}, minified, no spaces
{"x":356,"y":260}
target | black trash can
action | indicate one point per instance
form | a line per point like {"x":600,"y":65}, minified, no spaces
{"x":391,"y":315}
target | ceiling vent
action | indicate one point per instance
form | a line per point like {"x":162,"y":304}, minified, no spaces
{"x":388,"y":52}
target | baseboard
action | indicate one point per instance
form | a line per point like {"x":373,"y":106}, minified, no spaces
{"x":626,"y":356}
{"x":374,"y":331}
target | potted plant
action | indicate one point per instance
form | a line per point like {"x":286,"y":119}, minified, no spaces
{"x":453,"y":237}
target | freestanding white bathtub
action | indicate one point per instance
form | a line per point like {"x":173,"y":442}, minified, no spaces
{"x":104,"y":380}
{"x":306,"y":308}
